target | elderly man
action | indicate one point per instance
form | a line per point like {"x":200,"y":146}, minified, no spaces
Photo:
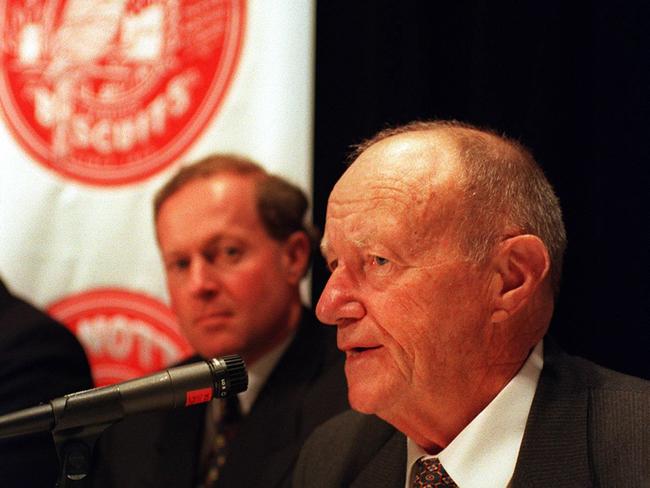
{"x":235,"y":248}
{"x":445,"y":247}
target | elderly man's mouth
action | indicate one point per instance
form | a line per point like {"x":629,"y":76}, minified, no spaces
{"x":355,"y":351}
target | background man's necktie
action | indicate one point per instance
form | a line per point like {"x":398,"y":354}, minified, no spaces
{"x":226,"y":429}
{"x":429,"y":473}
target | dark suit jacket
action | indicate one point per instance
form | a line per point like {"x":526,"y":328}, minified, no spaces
{"x":588,"y":426}
{"x":39,"y":360}
{"x":306,"y":388}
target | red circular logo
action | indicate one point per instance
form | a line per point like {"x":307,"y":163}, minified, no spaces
{"x":111,"y":92}
{"x":125,"y":334}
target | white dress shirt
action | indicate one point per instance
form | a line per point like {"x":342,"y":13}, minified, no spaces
{"x":485,"y":452}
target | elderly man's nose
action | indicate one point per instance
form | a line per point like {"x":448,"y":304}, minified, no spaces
{"x":337,"y":302}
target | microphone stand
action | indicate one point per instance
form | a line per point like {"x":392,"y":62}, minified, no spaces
{"x":77,"y":420}
{"x":74,"y":439}
{"x":74,"y":448}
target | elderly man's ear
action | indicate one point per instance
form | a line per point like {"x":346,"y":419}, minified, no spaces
{"x":521,"y":265}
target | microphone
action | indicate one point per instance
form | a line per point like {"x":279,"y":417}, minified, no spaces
{"x":181,"y":386}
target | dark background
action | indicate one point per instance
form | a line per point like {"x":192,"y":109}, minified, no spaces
{"x":568,"y":79}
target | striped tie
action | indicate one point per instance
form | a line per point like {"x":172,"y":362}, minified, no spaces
{"x":226,"y":429}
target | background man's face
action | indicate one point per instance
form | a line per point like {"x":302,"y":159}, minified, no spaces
{"x":410,"y":309}
{"x":225,"y":275}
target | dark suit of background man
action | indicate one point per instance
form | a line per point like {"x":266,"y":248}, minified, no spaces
{"x":445,"y":245}
{"x":39,"y":360}
{"x":235,"y":249}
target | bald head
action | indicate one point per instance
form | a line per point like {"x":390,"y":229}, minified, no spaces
{"x":412,"y":154}
{"x":501,"y":190}
{"x":414,"y":176}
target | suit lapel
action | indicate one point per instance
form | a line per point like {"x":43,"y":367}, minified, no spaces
{"x":269,"y":432}
{"x":272,"y":430}
{"x":387,"y":468}
{"x":554,"y":451}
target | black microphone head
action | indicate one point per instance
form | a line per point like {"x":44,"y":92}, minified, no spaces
{"x":235,"y":375}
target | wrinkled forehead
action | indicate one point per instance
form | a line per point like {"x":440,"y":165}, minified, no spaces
{"x":409,"y":180}
{"x":405,"y":170}
{"x":413,"y":159}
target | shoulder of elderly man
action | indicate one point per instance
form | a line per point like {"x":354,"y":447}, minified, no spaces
{"x":593,"y":422}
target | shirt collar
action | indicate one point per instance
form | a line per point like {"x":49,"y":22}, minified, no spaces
{"x":485,"y":452}
{"x":259,"y":371}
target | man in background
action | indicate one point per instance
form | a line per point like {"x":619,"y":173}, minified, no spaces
{"x":445,"y":245}
{"x":235,"y":247}
{"x":39,"y":360}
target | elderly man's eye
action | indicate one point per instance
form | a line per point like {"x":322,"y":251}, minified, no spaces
{"x":379,"y":261}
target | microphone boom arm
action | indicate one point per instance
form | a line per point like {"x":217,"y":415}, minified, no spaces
{"x":77,"y":420}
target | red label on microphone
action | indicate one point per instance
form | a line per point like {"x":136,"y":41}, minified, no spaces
{"x":198,"y":396}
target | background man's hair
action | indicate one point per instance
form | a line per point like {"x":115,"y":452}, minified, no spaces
{"x":504,"y":188}
{"x":281,"y":205}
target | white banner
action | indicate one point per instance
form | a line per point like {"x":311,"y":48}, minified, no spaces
{"x":101,"y":102}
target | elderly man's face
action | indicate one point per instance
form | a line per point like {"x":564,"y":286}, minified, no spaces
{"x":411,"y":311}
{"x":231,"y":285}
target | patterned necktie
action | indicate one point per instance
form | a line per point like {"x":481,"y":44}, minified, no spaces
{"x":226,"y":429}
{"x":429,"y":473}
